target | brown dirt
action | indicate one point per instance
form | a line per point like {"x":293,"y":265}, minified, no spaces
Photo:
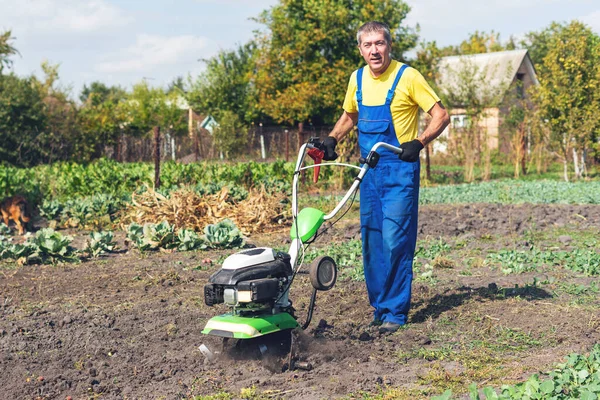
{"x":128,"y":326}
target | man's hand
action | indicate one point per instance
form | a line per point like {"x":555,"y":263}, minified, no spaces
{"x":329,"y":148}
{"x":411,"y":150}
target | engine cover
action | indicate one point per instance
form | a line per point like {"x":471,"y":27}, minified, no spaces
{"x":252,"y":264}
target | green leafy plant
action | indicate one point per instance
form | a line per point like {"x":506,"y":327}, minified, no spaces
{"x":223,"y":235}
{"x":152,"y":236}
{"x":51,"y":209}
{"x":47,"y":246}
{"x":577,"y":378}
{"x":100,"y":243}
{"x":189,"y":239}
{"x":161,"y":235}
{"x":4,"y":230}
{"x":135,"y":234}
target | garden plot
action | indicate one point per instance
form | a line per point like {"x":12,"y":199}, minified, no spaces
{"x":128,"y":325}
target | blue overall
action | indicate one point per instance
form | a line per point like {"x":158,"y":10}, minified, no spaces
{"x":389,"y":197}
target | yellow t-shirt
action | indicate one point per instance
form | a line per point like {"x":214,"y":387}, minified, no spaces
{"x":412,"y":92}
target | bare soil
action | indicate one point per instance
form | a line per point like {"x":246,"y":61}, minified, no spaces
{"x":127,"y":326}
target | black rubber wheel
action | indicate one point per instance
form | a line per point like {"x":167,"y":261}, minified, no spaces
{"x":323,"y":273}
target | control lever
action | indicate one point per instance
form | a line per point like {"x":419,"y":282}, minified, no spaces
{"x":317,"y":155}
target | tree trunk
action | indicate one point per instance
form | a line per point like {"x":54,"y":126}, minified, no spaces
{"x":576,"y":164}
{"x":523,"y":151}
{"x":156,"y":157}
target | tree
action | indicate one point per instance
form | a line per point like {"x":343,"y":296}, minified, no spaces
{"x":230,"y":136}
{"x":22,"y":116}
{"x":568,"y":96}
{"x":148,"y":107}
{"x":101,"y":118}
{"x":427,"y":60}
{"x":6,"y":50}
{"x":176,"y":85}
{"x":467,"y":86}
{"x":309,"y":51}
{"x":225,"y":85}
{"x":98,"y":93}
{"x":61,"y":133}
{"x":538,"y":43}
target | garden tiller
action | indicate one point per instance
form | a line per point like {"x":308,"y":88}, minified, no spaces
{"x":255,"y":283}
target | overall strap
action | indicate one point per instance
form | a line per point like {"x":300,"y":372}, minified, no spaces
{"x":392,"y":91}
{"x":359,"y":75}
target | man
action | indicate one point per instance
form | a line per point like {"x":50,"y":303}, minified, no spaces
{"x":383,"y":99}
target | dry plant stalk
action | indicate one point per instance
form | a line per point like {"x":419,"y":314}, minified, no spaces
{"x":184,"y":208}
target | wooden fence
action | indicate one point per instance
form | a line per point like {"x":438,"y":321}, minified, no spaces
{"x":264,"y":143}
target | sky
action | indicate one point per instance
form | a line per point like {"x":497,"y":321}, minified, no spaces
{"x":127,"y":41}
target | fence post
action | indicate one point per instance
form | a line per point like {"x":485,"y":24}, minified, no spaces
{"x":196,"y":146}
{"x":300,"y":134}
{"x":287,"y":145}
{"x":156,"y":157}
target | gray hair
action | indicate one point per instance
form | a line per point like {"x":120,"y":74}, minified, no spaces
{"x":374,"y":26}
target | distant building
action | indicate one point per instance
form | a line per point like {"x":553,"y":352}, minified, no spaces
{"x":497,"y":73}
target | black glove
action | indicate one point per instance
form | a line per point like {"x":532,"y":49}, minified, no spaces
{"x":329,"y":148}
{"x":411,"y":150}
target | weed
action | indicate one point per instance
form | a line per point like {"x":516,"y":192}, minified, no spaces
{"x":442,"y":262}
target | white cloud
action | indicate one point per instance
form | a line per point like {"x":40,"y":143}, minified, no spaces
{"x":59,"y":16}
{"x":151,"y":50}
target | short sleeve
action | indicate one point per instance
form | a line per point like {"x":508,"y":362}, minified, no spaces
{"x":422,"y":93}
{"x":350,"y":104}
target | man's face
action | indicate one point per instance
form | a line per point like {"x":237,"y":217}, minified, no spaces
{"x":376,"y":51}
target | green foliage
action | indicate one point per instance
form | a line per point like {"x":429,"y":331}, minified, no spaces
{"x":230,"y":136}
{"x":51,"y":210}
{"x":223,"y":235}
{"x":152,"y":236}
{"x":99,"y":243}
{"x":225,"y":85}
{"x":12,"y":251}
{"x":4,"y":230}
{"x":22,"y":118}
{"x":97,"y":210}
{"x":437,"y":248}
{"x":586,"y":261}
{"x":102,"y":118}
{"x":97,"y":93}
{"x":347,"y":255}
{"x":538,"y":43}
{"x":567,"y":99}
{"x":51,"y":246}
{"x":147,"y":107}
{"x":577,"y":378}
{"x":189,"y":239}
{"x":46,"y":247}
{"x":6,"y":50}
{"x":514,"y":192}
{"x":307,"y":55}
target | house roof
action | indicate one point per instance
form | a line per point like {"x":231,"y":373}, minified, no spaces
{"x":499,"y":68}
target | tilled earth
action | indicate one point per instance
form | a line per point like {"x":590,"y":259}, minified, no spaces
{"x":127,"y":326}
